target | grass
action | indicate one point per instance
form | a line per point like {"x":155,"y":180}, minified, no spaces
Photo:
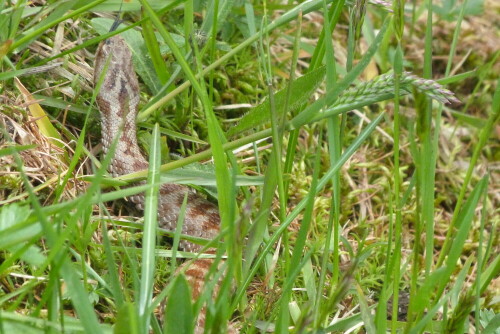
{"x":352,"y":187}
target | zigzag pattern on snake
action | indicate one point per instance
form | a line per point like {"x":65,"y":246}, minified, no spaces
{"x":117,"y":100}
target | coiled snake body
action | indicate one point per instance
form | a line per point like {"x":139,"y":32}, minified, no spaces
{"x":117,"y":99}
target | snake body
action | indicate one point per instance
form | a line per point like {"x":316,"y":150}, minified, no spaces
{"x":117,"y":100}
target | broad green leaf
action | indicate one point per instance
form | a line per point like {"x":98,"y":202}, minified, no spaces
{"x":13,"y":230}
{"x":126,"y":321}
{"x":179,"y":317}
{"x":225,"y":7}
{"x":302,"y":88}
{"x":15,"y":239}
{"x":493,"y":326}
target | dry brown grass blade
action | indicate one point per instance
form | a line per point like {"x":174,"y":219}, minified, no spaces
{"x":41,"y":118}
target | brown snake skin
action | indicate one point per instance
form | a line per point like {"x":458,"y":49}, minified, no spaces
{"x":117,"y":100}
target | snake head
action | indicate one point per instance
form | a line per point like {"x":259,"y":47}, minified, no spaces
{"x":113,"y":56}
{"x":115,"y":79}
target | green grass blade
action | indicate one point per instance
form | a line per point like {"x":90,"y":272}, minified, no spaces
{"x":178,"y":231}
{"x":464,"y":223}
{"x":56,"y":20}
{"x":300,"y":206}
{"x":462,"y":305}
{"x":15,"y":148}
{"x":60,"y":262}
{"x":300,"y":92}
{"x":304,"y":8}
{"x":300,"y":243}
{"x":95,"y":40}
{"x":366,"y":315}
{"x":114,"y":280}
{"x":149,"y":237}
{"x":490,"y":273}
{"x":483,"y":138}
{"x":154,"y":52}
{"x":332,"y":95}
{"x":431,"y":312}
{"x":335,"y":149}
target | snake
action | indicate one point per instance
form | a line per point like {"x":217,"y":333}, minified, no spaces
{"x":117,"y":100}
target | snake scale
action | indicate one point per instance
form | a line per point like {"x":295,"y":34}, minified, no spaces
{"x":117,"y":100}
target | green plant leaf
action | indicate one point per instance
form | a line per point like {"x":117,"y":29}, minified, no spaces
{"x":493,"y":325}
{"x":302,"y":88}
{"x":150,"y":227}
{"x":425,"y":292}
{"x":490,"y":273}
{"x":368,"y":318}
{"x":15,"y":148}
{"x":126,"y":321}
{"x":12,"y":227}
{"x":204,"y":178}
{"x":14,"y":215}
{"x":464,"y":223}
{"x":476,"y":122}
{"x":179,"y":313}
